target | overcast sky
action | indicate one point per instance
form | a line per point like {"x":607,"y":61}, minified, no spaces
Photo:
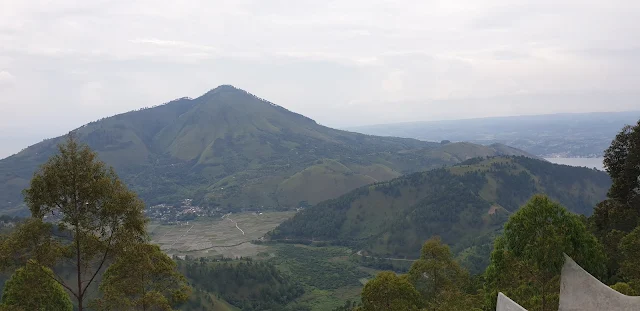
{"x":64,"y":63}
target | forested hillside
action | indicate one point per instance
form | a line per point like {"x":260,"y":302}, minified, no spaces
{"x":231,"y":149}
{"x":465,"y":205}
{"x":245,"y":284}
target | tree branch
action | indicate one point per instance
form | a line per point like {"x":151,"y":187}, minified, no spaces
{"x":53,"y":277}
{"x":102,"y":261}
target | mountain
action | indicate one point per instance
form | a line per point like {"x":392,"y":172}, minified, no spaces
{"x":231,"y":149}
{"x":465,"y":204}
{"x":555,"y":135}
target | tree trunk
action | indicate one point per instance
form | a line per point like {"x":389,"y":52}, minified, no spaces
{"x":544,"y":307}
{"x":79,"y":270}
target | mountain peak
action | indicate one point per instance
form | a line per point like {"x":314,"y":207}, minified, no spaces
{"x":225,"y":87}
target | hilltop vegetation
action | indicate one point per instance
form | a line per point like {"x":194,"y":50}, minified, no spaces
{"x":230,"y":149}
{"x":466,"y":205}
{"x":245,"y":284}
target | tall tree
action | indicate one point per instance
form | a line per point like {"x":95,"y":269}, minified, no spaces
{"x":527,"y":259}
{"x":440,"y":280}
{"x":32,"y":288}
{"x":622,"y":162}
{"x":143,"y":278}
{"x":617,"y":216}
{"x":389,"y":292}
{"x":90,"y":216}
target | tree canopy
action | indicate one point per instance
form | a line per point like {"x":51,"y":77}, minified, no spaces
{"x":143,"y":278}
{"x":615,"y":220}
{"x":528,"y":257}
{"x":387,"y":291}
{"x":82,"y":217}
{"x":439,"y":278}
{"x":32,"y":287}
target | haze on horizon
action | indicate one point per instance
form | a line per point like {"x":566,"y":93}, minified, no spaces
{"x":342,"y":63}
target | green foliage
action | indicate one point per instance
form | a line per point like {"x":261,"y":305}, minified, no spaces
{"x":246,"y":284}
{"x":90,"y":216}
{"x":33,"y":287}
{"x":622,"y":162}
{"x":323,"y":268}
{"x":624,"y":288}
{"x":619,"y":215}
{"x":440,"y":280}
{"x":387,"y":291}
{"x":629,"y":253}
{"x":466,"y":205}
{"x":398,"y":266}
{"x":142,"y":278}
{"x":527,"y":259}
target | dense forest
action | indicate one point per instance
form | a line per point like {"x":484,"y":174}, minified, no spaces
{"x":246,"y":284}
{"x":466,"y":205}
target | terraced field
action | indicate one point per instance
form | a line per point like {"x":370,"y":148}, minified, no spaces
{"x":229,"y":236}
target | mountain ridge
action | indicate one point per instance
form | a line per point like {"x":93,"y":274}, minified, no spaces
{"x":550,"y":135}
{"x":465,"y":204}
{"x":231,"y":149}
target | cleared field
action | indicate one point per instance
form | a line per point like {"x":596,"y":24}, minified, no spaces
{"x":229,"y":236}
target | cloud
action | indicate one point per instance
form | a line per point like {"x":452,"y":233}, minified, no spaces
{"x":6,"y":78}
{"x":340,"y":62}
{"x":174,"y":44}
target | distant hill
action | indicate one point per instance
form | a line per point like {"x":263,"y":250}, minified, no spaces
{"x":554,"y":135}
{"x":465,"y":205}
{"x":231,"y":149}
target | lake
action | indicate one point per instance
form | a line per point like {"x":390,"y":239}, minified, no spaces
{"x":584,"y":162}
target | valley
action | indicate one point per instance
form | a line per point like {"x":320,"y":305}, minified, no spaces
{"x":229,"y":236}
{"x":319,"y":155}
{"x":264,"y":209}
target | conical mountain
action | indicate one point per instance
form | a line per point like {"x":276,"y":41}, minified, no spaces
{"x":233,"y":150}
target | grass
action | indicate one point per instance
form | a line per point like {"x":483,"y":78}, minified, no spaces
{"x":327,"y":178}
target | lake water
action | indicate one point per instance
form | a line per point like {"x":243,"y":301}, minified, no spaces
{"x":584,"y":162}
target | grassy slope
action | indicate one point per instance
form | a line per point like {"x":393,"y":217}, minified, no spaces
{"x":328,"y":178}
{"x":463,"y":204}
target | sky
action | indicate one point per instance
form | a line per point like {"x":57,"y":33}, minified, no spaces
{"x":344,"y":63}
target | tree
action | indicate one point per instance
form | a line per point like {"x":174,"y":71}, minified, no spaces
{"x":622,"y":162}
{"x":440,"y":279}
{"x":527,"y":259}
{"x":620,"y":213}
{"x":90,"y":216}
{"x":629,"y":253}
{"x":32,"y":288}
{"x":389,"y":292}
{"x":143,"y":278}
{"x":624,"y":288}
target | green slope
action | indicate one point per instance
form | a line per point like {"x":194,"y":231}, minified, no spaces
{"x":232,"y":149}
{"x":464,"y":204}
